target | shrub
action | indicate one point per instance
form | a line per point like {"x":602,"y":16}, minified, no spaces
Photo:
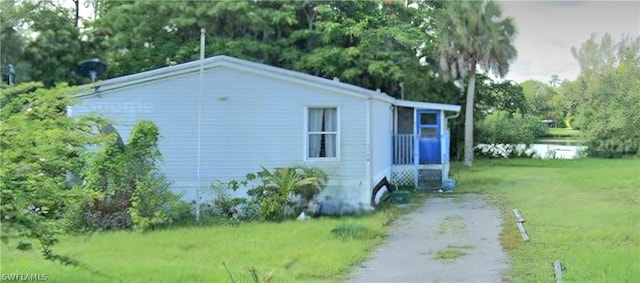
{"x":277,"y":189}
{"x":608,"y":115}
{"x":40,"y":145}
{"x":505,"y":150}
{"x":504,"y":128}
{"x":611,"y":147}
{"x":309,"y":191}
{"x":227,"y":207}
{"x":276,"y":194}
{"x":130,"y":190}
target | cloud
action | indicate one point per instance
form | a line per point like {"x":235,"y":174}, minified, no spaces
{"x":564,"y":3}
{"x":548,"y":29}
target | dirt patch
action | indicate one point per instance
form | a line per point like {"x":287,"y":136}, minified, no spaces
{"x":448,"y":239}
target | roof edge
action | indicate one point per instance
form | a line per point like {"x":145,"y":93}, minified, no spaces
{"x":428,"y":105}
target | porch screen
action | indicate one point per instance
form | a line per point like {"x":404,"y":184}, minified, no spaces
{"x":323,"y":132}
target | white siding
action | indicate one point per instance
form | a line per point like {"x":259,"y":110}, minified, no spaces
{"x":248,"y":121}
{"x":382,"y":133}
{"x":172,"y":105}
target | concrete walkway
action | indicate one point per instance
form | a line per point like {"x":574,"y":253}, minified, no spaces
{"x":449,"y":239}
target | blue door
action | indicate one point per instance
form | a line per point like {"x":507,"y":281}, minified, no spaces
{"x":429,"y":137}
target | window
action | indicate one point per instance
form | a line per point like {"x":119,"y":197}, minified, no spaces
{"x":322,"y":131}
{"x":428,"y":119}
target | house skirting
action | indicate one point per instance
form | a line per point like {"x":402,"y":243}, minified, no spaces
{"x":429,"y":175}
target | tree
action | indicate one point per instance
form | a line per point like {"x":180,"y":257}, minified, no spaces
{"x":506,"y":96}
{"x":595,"y":58}
{"x":42,"y":42}
{"x":472,"y":34}
{"x":13,"y":41}
{"x":538,"y":97}
{"x":363,"y":43}
{"x":40,"y":148}
{"x":555,"y":81}
{"x":610,"y":96}
{"x":566,"y":100}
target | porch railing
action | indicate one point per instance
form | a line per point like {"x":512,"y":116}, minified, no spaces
{"x":403,"y":149}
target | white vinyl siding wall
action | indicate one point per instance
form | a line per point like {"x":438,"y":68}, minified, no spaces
{"x":248,"y":121}
{"x":382,"y":133}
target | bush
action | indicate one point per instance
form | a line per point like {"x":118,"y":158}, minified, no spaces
{"x":503,"y":128}
{"x":611,"y":147}
{"x":226,"y":207}
{"x":608,"y":114}
{"x":505,"y":151}
{"x":274,"y":194}
{"x":130,"y":190}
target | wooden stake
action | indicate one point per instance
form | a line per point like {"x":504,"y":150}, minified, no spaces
{"x":519,"y":217}
{"x":557,"y":265}
{"x":525,"y":237}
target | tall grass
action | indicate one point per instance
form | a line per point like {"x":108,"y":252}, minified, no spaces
{"x":291,"y":251}
{"x":584,"y":212}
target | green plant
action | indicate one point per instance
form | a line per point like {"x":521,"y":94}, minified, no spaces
{"x":276,"y":190}
{"x":451,"y":253}
{"x":226,"y":207}
{"x":347,"y":232}
{"x":41,"y":146}
{"x":309,"y":191}
{"x":501,"y":127}
{"x":131,"y":191}
{"x":253,"y":275}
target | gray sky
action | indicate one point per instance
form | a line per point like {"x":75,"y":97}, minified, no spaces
{"x":548,"y":29}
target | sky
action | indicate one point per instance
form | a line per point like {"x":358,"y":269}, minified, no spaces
{"x":548,"y":29}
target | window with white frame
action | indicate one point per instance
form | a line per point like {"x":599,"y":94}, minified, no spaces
{"x":322,"y":131}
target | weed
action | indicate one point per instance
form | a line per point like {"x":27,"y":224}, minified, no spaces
{"x":451,"y":253}
{"x":347,"y":232}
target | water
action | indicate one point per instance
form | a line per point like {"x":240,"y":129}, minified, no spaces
{"x":558,"y":141}
{"x":557,"y":151}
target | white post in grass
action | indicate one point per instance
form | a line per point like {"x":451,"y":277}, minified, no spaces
{"x":199,"y":198}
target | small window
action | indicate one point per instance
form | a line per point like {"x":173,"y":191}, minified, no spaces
{"x":428,"y":119}
{"x":322,"y":129}
{"x":428,"y":132}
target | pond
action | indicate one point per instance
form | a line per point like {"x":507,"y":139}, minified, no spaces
{"x":557,"y":151}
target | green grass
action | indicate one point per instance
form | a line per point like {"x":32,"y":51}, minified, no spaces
{"x":291,"y":251}
{"x":562,"y":133}
{"x":584,"y":212}
{"x":451,"y":253}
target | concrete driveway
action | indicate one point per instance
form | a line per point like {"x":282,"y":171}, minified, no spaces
{"x":451,"y":238}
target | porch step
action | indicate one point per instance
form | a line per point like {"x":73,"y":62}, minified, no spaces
{"x":429,"y":179}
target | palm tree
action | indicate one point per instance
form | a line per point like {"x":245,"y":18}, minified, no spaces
{"x":471,"y":34}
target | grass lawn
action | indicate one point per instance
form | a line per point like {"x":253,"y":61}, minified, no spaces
{"x":562,"y":133}
{"x":292,"y":251}
{"x":584,"y":212}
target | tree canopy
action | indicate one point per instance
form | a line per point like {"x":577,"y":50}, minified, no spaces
{"x":472,"y":34}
